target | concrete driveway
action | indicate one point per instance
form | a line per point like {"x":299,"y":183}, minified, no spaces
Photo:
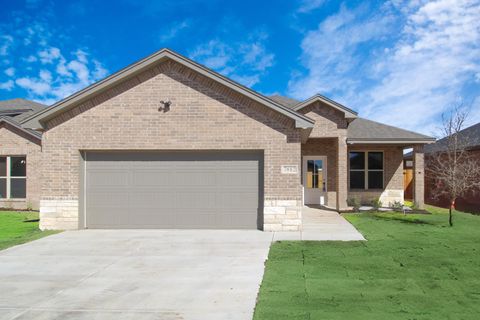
{"x":134,"y":274}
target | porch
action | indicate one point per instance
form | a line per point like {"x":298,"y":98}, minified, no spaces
{"x":335,"y":172}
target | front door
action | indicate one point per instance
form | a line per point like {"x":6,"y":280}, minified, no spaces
{"x":314,"y":180}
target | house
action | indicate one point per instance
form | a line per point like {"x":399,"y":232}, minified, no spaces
{"x":168,"y":143}
{"x":469,"y":138}
{"x":20,"y":153}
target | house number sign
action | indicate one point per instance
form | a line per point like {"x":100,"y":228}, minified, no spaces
{"x":289,"y":169}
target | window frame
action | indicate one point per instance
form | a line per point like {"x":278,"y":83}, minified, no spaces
{"x":324,"y":172}
{"x":8,"y":177}
{"x":366,"y":170}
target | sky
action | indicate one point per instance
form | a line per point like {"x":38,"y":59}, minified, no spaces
{"x":404,"y":63}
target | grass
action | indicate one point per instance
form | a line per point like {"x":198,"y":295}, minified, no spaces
{"x":19,"y":227}
{"x":411,"y":267}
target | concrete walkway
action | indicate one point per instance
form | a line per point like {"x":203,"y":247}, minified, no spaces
{"x":134,"y":274}
{"x":322,"y":225}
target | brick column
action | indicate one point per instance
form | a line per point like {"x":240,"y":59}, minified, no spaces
{"x":418,"y":176}
{"x":342,"y":175}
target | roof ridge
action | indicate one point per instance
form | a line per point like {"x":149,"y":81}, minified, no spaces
{"x":142,"y":64}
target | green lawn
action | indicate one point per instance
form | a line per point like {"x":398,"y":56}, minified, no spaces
{"x":411,"y":267}
{"x":19,"y":227}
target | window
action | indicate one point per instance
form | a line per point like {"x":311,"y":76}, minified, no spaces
{"x":366,"y":170}
{"x":315,"y":175}
{"x":13,"y":177}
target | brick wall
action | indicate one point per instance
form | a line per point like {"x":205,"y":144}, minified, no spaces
{"x":204,"y":115}
{"x":325,"y":147}
{"x":17,"y":142}
{"x":328,"y":139}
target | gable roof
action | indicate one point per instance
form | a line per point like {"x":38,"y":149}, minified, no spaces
{"x":349,"y":113}
{"x":362,"y":130}
{"x":9,"y":120}
{"x":19,"y":108}
{"x":468,"y":138}
{"x":20,"y":104}
{"x":15,"y":110}
{"x":70,"y":102}
{"x":286,"y":101}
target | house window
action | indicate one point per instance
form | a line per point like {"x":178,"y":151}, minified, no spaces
{"x":366,"y":170}
{"x":13,"y":177}
{"x":316,"y":175}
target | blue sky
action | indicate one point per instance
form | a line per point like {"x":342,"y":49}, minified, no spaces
{"x":399,"y":62}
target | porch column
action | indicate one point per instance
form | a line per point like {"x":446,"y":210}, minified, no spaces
{"x":418,"y":176}
{"x":342,"y":174}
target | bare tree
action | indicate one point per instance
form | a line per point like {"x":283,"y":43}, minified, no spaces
{"x":453,"y":169}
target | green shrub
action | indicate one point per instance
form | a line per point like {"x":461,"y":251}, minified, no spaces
{"x":397,"y":206}
{"x":376,"y":203}
{"x":353,"y":202}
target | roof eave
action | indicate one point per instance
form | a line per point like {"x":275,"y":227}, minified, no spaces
{"x":389,"y":141}
{"x":19,"y":127}
{"x":349,"y":113}
{"x":66,"y":104}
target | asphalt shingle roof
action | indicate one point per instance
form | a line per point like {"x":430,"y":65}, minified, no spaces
{"x":468,"y":138}
{"x":285,"y":101}
{"x":364,"y":129}
{"x":19,"y":109}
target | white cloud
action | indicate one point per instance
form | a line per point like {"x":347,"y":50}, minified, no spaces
{"x":174,"y":30}
{"x":243,"y":61}
{"x":309,"y":5}
{"x":44,"y":63}
{"x":10,"y":71}
{"x":37,"y":86}
{"x":430,"y":54}
{"x":30,"y":58}
{"x":49,"y":55}
{"x":331,"y":53}
{"x":7,"y":85}
{"x":6,"y":42}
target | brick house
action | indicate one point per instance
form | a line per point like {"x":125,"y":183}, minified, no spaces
{"x":168,"y":143}
{"x":470,"y":139}
{"x":20,"y":154}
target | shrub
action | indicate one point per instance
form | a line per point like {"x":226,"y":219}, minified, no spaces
{"x":376,"y":203}
{"x":397,"y":206}
{"x":353,"y":202}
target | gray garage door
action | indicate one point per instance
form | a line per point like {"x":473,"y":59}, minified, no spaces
{"x":209,"y":190}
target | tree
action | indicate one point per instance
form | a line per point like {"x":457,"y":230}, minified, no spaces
{"x":454,"y":170}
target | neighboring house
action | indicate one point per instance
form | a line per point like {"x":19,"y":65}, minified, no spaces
{"x":470,"y":139}
{"x":20,"y":152}
{"x":168,"y":143}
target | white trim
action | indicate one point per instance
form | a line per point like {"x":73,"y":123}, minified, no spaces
{"x":8,"y":177}
{"x":325,"y":177}
{"x":85,"y":191}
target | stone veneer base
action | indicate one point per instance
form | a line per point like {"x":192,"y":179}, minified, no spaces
{"x":282,"y":215}
{"x":59,"y":214}
{"x":62,"y":214}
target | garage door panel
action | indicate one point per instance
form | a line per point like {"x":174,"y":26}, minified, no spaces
{"x":154,"y":177}
{"x":158,"y":198}
{"x":246,"y":199}
{"x":172,"y":190}
{"x":104,"y":178}
{"x":238,"y":220}
{"x":108,"y":198}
